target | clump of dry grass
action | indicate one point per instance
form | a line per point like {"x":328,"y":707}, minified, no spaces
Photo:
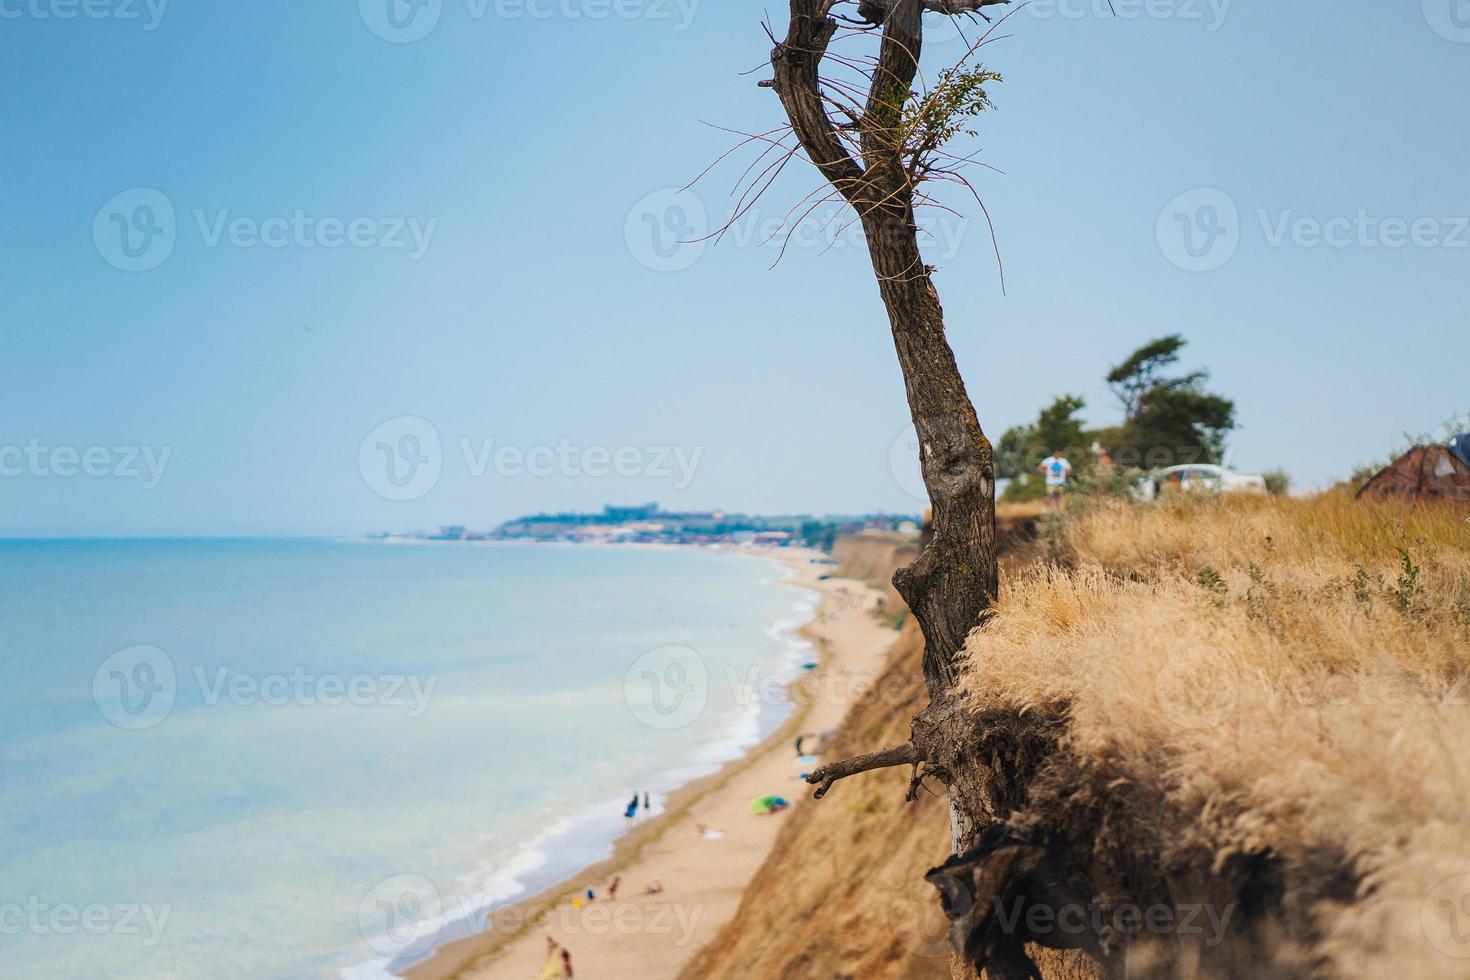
{"x":1192,"y":530}
{"x":1292,"y":678}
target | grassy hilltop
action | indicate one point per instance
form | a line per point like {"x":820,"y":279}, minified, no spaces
{"x":1255,"y":704}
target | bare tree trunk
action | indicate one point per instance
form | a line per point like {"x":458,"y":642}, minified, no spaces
{"x":954,"y":579}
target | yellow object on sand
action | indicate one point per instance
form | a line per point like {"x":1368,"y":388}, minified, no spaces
{"x":552,"y":969}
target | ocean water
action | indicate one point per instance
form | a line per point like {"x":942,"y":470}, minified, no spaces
{"x":319,"y":758}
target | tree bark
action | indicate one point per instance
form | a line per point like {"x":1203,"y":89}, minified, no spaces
{"x":954,"y":579}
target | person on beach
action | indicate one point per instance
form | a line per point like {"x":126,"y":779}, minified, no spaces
{"x":566,"y":963}
{"x":1056,"y":470}
{"x":591,"y":896}
{"x":552,"y":968}
{"x":612,"y":889}
{"x":654,"y":887}
{"x":646,"y":806}
{"x":632,"y":808}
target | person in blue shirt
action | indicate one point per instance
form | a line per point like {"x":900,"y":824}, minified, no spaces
{"x":1056,"y":470}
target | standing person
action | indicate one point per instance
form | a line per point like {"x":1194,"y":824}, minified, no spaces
{"x":566,"y":962}
{"x":632,"y":809}
{"x":1056,"y":470}
{"x":646,"y":807}
{"x":612,"y":889}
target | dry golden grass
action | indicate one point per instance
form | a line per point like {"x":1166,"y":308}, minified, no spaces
{"x":1293,"y":677}
{"x":1021,"y":511}
{"x":1194,"y":530}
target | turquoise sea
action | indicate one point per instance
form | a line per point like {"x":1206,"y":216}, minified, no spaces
{"x":305,"y":758}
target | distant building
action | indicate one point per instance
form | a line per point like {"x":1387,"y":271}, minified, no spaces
{"x":641,"y":512}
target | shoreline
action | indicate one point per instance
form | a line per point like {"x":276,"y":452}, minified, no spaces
{"x":658,"y":933}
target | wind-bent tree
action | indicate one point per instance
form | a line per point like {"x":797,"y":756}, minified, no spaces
{"x":878,"y":142}
{"x":1166,"y":420}
{"x":880,"y":136}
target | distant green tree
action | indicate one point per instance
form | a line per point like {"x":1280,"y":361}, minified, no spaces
{"x":1140,"y":370}
{"x":1166,"y":419}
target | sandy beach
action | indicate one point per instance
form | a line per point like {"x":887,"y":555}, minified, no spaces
{"x":703,"y":875}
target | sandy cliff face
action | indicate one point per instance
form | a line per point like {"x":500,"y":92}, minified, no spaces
{"x":872,"y":557}
{"x":842,"y":893}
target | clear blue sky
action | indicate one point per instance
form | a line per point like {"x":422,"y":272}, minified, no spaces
{"x":520,"y":136}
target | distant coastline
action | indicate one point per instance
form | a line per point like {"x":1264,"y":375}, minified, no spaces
{"x":650,"y":524}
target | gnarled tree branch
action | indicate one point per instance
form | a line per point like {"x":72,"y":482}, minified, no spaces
{"x":796,"y":62}
{"x":959,"y":6}
{"x":874,"y":11}
{"x":899,"y":755}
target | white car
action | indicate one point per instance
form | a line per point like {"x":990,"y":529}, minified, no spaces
{"x":1204,"y":477}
